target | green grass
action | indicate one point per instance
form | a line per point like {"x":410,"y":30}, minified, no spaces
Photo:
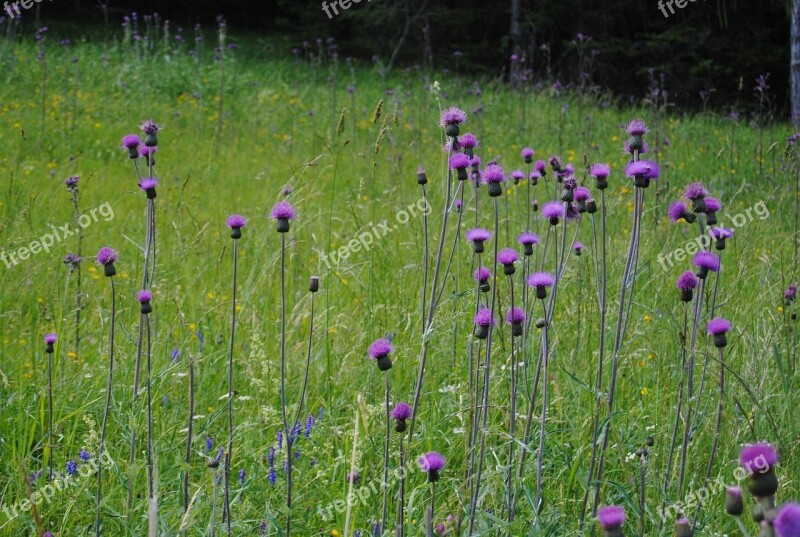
{"x":279,"y":128}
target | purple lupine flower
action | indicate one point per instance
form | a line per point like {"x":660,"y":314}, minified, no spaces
{"x":553,"y":211}
{"x":271,"y":476}
{"x":678,"y":211}
{"x":72,"y":468}
{"x":787,"y":522}
{"x":242,"y":476}
{"x":611,"y":517}
{"x":271,"y":456}
{"x":637,"y":128}
{"x":507,"y":257}
{"x":279,"y":436}
{"x":209,"y":443}
{"x":311,"y":421}
{"x":263,"y":528}
{"x":705,"y":262}
{"x":175,"y":354}
{"x":718,"y":327}
{"x":541,"y":281}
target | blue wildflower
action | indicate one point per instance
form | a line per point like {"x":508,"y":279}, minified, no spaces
{"x":272,"y":475}
{"x":209,"y":443}
{"x":242,"y":475}
{"x":85,"y":455}
{"x":72,"y":468}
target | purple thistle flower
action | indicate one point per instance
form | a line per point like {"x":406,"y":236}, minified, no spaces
{"x":379,"y":350}
{"x":484,"y":318}
{"x":106,"y":256}
{"x":401,"y":411}
{"x":452,"y":116}
{"x":721,"y":232}
{"x":752,"y":453}
{"x":678,"y":211}
{"x":468,"y":141}
{"x":541,"y":279}
{"x":611,"y":517}
{"x":515,"y":315}
{"x":600,"y":171}
{"x":72,"y":260}
{"x":528,"y":239}
{"x":582,"y":194}
{"x":578,"y":247}
{"x":144,"y":296}
{"x":718,"y":325}
{"x":460,"y":162}
{"x":791,"y":292}
{"x":236,"y":222}
{"x":787,"y":522}
{"x":695,"y":191}
{"x":482,"y":275}
{"x":72,"y":181}
{"x":148,"y":183}
{"x":637,"y":128}
{"x":352,"y":477}
{"x":517,"y":176}
{"x":713,"y":205}
{"x":478,"y":234}
{"x":432,"y":463}
{"x":527,"y":154}
{"x":458,"y":204}
{"x":493,"y":174}
{"x":686,"y":281}
{"x":50,"y":338}
{"x":705,"y":261}
{"x":131,"y":142}
{"x":507,"y":256}
{"x":283,"y":210}
{"x":149,"y":127}
{"x":541,"y":167}
{"x":571,"y":212}
{"x":646,"y":169}
{"x":553,"y":210}
{"x":146,"y":152}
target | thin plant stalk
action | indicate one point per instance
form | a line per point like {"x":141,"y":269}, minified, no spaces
{"x":153,"y":504}
{"x":385,"y":483}
{"x":229,"y":452}
{"x":287,"y":432}
{"x":106,"y":412}
{"x":188,"y":457}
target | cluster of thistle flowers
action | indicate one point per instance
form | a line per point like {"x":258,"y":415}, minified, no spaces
{"x":758,"y":462}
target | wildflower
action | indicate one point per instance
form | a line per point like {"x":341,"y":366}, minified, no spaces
{"x":541,"y":281}
{"x":150,"y":129}
{"x":534,"y":177}
{"x":271,"y":476}
{"x":685,"y":284}
{"x":611,"y":519}
{"x":720,"y":234}
{"x":643,"y":150}
{"x":507,"y":257}
{"x":527,"y":154}
{"x":72,"y":261}
{"x":678,"y":211}
{"x":636,"y":130}
{"x":72,"y":468}
{"x":482,"y":276}
{"x":313,"y":285}
{"x":718,"y":327}
{"x":683,"y":528}
{"x":759,"y":460}
{"x":483,"y":320}
{"x":422,"y":178}
{"x":696,"y":193}
{"x":49,"y":340}
{"x":458,"y":204}
{"x":282,"y":213}
{"x":733,"y":501}
{"x":236,"y":222}
{"x":148,"y":153}
{"x":451,"y":119}
{"x":712,"y":207}
{"x":459,"y":163}
{"x":84,"y":455}
{"x":515,"y":317}
{"x":553,"y":211}
{"x":541,"y":167}
{"x":148,"y":184}
{"x":642,"y":172}
{"x":209,"y":443}
{"x":578,"y":247}
{"x":401,"y":412}
{"x":527,"y":240}
{"x":242,"y":476}
{"x":432,"y":463}
{"x":468,"y":143}
{"x":478,"y":236}
{"x":71,"y":182}
{"x":379,"y":350}
{"x":493,"y":176}
{"x":353,"y":477}
{"x":144,"y":297}
{"x":705,"y":261}
{"x":581,"y":195}
{"x":131,"y":142}
{"x":787,"y":522}
{"x":517,"y":176}
{"x":106,"y":257}
{"x":790,"y":294}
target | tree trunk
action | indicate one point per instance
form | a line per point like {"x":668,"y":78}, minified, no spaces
{"x":794,"y":69}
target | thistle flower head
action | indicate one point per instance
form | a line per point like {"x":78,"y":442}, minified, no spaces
{"x":695,"y":191}
{"x":570,"y":182}
{"x":582,"y":194}
{"x":468,"y":141}
{"x":149,"y":127}
{"x":721,"y":232}
{"x":380,"y":348}
{"x":72,"y":181}
{"x":484,"y":317}
{"x":646,"y":169}
{"x":713,"y":205}
{"x":540,"y":166}
{"x":236,"y":221}
{"x":527,"y":153}
{"x":677,"y":211}
{"x":541,"y":279}
{"x":611,"y":517}
{"x":482,"y":275}
{"x":600,"y":171}
{"x":760,"y":452}
{"x":144,"y":296}
{"x":629,"y":150}
{"x":507,"y":256}
{"x":787,"y":522}
{"x":478,"y":234}
{"x":146,"y":151}
{"x":459,"y":161}
{"x":452,"y":116}
{"x":401,"y":411}
{"x":706,"y":260}
{"x":432,"y":461}
{"x":283,"y":210}
{"x":791,"y":292}
{"x":131,"y":141}
{"x":637,"y":128}
{"x":528,"y":239}
{"x":148,"y":183}
{"x":578,"y":246}
{"x":571,"y":212}
{"x":515,"y":315}
{"x":106,"y":255}
{"x":686,"y":281}
{"x":553,"y":209}
{"x":517,"y":175}
{"x":493,"y":174}
{"x":50,"y":338}
{"x":718,"y":325}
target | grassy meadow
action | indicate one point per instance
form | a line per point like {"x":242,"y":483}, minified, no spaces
{"x":342,"y":143}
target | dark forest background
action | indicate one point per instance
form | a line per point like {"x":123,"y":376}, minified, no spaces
{"x":709,"y":53}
